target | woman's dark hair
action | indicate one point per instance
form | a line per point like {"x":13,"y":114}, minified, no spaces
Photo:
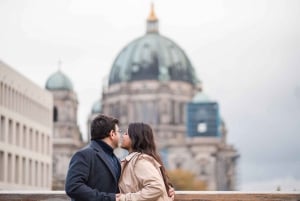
{"x":102,"y":125}
{"x":142,"y":140}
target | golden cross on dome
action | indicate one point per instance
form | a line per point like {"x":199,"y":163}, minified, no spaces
{"x":152,"y":16}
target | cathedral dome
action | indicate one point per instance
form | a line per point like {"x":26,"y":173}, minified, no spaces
{"x":152,"y":57}
{"x":59,"y":81}
{"x":97,"y":107}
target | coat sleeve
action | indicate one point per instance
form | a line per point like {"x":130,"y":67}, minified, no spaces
{"x":77,"y":178}
{"x":150,"y":180}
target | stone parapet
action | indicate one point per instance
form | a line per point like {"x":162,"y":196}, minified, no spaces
{"x":180,"y":196}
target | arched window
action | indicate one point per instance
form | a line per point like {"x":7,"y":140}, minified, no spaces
{"x":55,"y":114}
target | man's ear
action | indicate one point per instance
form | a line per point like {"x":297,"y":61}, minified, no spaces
{"x":111,"y":133}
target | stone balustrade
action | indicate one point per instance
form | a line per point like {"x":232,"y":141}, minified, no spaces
{"x":180,"y":196}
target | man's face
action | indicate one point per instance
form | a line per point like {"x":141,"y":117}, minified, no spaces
{"x":116,"y":137}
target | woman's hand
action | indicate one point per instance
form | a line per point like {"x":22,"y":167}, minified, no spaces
{"x":172,"y":193}
{"x":118,"y":197}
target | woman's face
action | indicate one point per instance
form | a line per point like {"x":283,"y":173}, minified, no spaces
{"x":126,"y":141}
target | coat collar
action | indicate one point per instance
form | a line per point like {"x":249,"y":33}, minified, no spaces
{"x":131,"y":155}
{"x":95,"y":145}
{"x":145,"y":156}
{"x":102,"y":155}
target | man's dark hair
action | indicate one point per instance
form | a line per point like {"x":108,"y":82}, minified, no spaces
{"x":102,"y":125}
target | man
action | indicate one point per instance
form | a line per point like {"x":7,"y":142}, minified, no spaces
{"x":94,"y":171}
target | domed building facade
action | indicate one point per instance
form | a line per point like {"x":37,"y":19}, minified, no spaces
{"x":152,"y":80}
{"x":66,"y":134}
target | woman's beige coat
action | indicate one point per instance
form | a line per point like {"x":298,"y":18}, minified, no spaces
{"x":141,"y":179}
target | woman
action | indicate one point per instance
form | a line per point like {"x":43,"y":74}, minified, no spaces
{"x":143,"y":175}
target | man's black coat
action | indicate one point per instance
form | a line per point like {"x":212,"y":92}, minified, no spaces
{"x":90,"y":176}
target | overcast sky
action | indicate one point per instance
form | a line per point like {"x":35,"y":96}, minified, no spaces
{"x":246,"y":53}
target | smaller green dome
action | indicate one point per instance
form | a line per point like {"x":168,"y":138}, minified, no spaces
{"x":97,"y":107}
{"x":201,"y":97}
{"x":59,"y":81}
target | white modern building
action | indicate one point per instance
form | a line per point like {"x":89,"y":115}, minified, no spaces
{"x":25,"y":133}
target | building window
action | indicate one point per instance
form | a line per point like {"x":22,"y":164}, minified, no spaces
{"x":48,"y":173}
{"x":48,"y":145}
{"x":55,"y":114}
{"x":18,"y":136}
{"x":17,"y":169}
{"x":37,"y":141}
{"x":24,"y":169}
{"x":30,"y":170}
{"x":10,"y":131}
{"x":42,"y":175}
{"x":30,"y":139}
{"x":1,"y":166}
{"x":37,"y":173}
{"x":43,"y":143}
{"x":25,"y":137}
{"x":2,"y":129}
{"x":202,"y":127}
{"x":9,"y":168}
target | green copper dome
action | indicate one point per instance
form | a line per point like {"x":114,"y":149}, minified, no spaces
{"x":59,"y":81}
{"x":152,"y":57}
{"x":97,"y":107}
